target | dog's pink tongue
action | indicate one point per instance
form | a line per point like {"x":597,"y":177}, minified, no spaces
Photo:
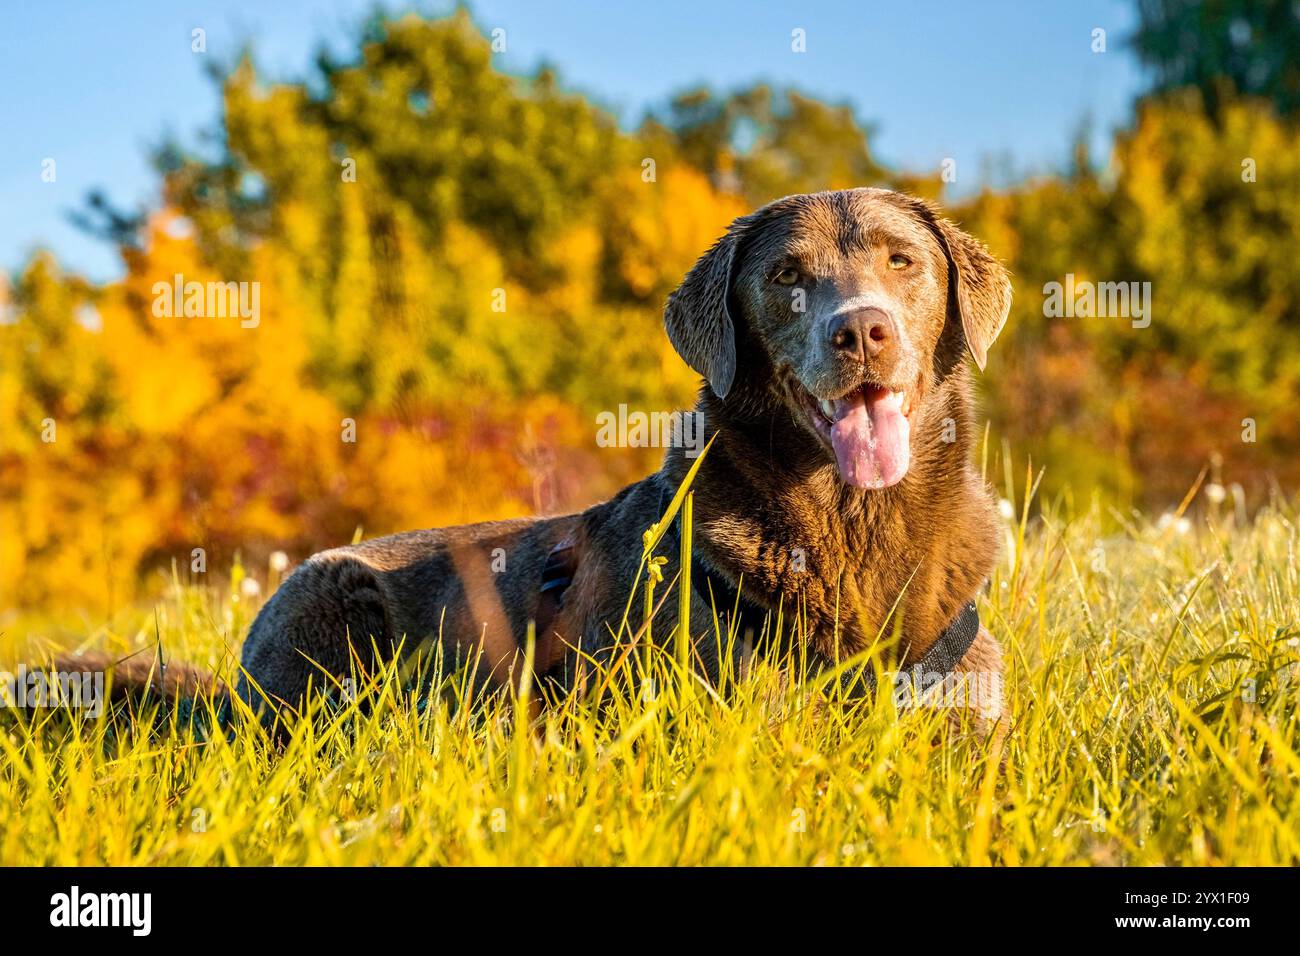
{"x":870,"y":435}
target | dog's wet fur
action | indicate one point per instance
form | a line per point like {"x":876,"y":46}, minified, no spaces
{"x":811,"y":300}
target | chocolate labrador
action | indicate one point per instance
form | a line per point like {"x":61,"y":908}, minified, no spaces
{"x":830,"y":330}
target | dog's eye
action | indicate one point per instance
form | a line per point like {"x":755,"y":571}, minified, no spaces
{"x":787,"y":276}
{"x":899,"y":262}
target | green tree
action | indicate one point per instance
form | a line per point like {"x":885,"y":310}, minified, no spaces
{"x":1223,"y":48}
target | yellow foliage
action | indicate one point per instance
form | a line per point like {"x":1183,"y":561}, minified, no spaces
{"x":444,"y":307}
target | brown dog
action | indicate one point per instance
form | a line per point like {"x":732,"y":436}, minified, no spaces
{"x":831,"y":331}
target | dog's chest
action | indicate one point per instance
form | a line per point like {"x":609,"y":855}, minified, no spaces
{"x":831,"y":580}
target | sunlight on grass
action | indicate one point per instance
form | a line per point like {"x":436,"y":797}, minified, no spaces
{"x":1149,"y":675}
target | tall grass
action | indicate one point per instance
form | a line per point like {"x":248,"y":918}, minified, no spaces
{"x":1150,"y":678}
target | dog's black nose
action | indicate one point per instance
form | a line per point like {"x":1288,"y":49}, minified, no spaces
{"x":863,"y":334}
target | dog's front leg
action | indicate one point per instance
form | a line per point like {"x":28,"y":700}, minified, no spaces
{"x":983,"y":707}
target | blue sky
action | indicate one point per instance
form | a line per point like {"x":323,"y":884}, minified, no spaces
{"x":93,"y":85}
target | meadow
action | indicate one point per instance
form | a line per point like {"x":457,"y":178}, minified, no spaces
{"x":1150,"y":680}
{"x":455,"y":273}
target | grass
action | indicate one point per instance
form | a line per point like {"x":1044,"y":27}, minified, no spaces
{"x":1150,"y":678}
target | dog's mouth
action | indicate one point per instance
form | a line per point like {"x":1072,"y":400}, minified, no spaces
{"x":869,"y":429}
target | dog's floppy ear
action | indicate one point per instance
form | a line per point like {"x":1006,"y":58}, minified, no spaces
{"x":698,"y":313}
{"x":979,"y":283}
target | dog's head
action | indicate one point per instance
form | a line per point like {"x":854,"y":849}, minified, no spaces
{"x":860,"y":300}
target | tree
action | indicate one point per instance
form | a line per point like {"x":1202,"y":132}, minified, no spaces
{"x":1223,"y":48}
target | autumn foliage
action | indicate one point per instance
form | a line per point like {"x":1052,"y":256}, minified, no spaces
{"x":460,"y":268}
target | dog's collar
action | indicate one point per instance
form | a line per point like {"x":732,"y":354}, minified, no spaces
{"x":940,"y":658}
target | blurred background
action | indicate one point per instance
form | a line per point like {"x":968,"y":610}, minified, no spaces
{"x":463,"y":223}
